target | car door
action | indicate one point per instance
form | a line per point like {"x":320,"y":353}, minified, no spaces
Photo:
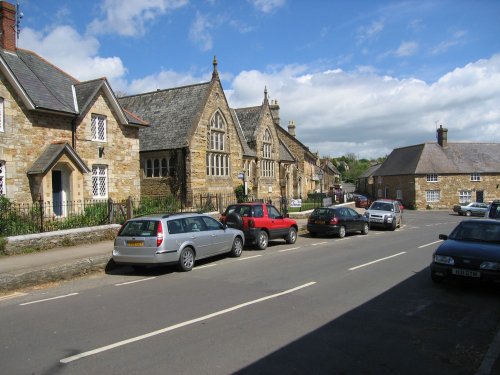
{"x":195,"y":232}
{"x":356,"y":222}
{"x":222,"y":240}
{"x":278,"y":227}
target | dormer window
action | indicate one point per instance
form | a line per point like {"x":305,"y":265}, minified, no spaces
{"x":432,"y":177}
{"x":475,"y":177}
{"x":217,"y":158}
{"x":98,"y":128}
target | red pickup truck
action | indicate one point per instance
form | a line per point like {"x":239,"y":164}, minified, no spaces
{"x":260,"y":222}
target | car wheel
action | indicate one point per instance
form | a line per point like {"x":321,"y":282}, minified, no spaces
{"x":291,"y":236}
{"x":342,"y":232}
{"x":365,"y":229}
{"x":393,"y":225}
{"x":186,"y":259}
{"x":237,"y":248}
{"x":467,"y":213}
{"x":234,"y":220}
{"x":262,"y":240}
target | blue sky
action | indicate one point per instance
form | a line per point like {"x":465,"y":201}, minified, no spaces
{"x":356,"y":76}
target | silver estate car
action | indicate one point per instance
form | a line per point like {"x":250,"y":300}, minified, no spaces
{"x":175,"y":239}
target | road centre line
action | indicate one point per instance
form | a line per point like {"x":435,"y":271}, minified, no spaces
{"x":205,"y":266}
{"x":136,"y":281}
{"x":292,"y":248}
{"x":180,"y":325}
{"x":376,"y":261}
{"x":429,"y":244}
{"x":319,"y":243}
{"x":48,"y":299}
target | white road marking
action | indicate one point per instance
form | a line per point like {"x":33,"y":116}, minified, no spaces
{"x":180,"y":325}
{"x":205,"y":266}
{"x":245,"y":258}
{"x":290,"y":249}
{"x":429,"y":244}
{"x":490,"y":357}
{"x":376,"y":261}
{"x":136,"y":281}
{"x":13,"y":295}
{"x":47,"y":299}
{"x":318,"y":243}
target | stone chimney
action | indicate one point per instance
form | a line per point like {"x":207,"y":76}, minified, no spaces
{"x":7,"y":26}
{"x":291,"y":128}
{"x":442,"y":136}
{"x":275,"y":112}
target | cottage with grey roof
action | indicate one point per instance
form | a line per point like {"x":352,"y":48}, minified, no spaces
{"x":60,"y":139}
{"x":439,"y":175}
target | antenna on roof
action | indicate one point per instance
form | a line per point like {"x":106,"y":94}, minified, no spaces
{"x":19,"y":16}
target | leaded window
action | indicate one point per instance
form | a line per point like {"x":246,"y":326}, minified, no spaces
{"x":432,"y":177}
{"x":217,"y":158}
{"x":432,"y":195}
{"x":160,"y":167}
{"x":98,"y":128}
{"x":99,"y":181}
{"x":267,"y":165}
{"x":2,"y":178}
{"x":465,"y":196}
{"x":475,"y":177}
{"x":1,"y":115}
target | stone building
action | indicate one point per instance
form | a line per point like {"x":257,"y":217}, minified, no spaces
{"x":196,"y":144}
{"x":60,"y":139}
{"x":439,"y":175}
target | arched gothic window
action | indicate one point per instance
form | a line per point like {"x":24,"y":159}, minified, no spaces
{"x":267,"y":164}
{"x":217,"y":159}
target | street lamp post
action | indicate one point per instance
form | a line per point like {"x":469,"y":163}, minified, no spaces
{"x":320,"y":175}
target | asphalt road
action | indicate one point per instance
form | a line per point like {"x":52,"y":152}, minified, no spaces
{"x":359,"y":305}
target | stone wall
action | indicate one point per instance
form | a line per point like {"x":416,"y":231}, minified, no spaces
{"x":62,"y":238}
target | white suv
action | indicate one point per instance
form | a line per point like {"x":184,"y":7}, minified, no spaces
{"x":386,"y":213}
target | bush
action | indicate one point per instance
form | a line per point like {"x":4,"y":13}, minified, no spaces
{"x":239,"y":191}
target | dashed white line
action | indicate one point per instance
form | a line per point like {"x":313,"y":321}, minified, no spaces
{"x":180,"y":325}
{"x":376,"y":261}
{"x":318,"y":243}
{"x":48,"y":299}
{"x":205,"y":266}
{"x":290,"y":249}
{"x":245,"y":258}
{"x":429,"y":244}
{"x":136,"y":281}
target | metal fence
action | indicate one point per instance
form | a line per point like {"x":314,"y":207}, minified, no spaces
{"x":43,"y":216}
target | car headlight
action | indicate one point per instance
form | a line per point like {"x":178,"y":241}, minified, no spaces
{"x":490,"y":266}
{"x":388,"y":219}
{"x":443,"y":259}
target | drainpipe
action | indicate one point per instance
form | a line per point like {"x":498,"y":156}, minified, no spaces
{"x":73,"y":133}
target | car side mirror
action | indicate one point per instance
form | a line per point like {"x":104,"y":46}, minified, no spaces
{"x":443,"y":237}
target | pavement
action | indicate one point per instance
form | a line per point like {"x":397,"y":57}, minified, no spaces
{"x":62,"y":263}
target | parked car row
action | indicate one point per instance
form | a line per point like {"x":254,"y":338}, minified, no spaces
{"x":469,"y":209}
{"x":183,"y":238}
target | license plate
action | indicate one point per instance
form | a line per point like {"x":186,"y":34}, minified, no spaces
{"x":320,"y":222}
{"x":135,"y":243}
{"x":377,"y":220}
{"x":467,"y":273}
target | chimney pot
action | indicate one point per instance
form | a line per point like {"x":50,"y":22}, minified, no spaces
{"x":291,"y":128}
{"x":442,"y":136}
{"x":7,"y":26}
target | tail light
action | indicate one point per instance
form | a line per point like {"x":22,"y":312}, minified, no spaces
{"x":334,"y":221}
{"x":251,"y":223}
{"x":159,"y":234}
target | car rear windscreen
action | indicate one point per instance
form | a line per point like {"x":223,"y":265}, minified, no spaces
{"x":139,"y":228}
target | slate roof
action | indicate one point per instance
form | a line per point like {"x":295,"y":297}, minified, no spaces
{"x":46,"y":86}
{"x":285,"y":153}
{"x":52,"y":154}
{"x":282,"y":132}
{"x":247,"y":151}
{"x":370,"y":171}
{"x":455,"y":158}
{"x":249,"y":119}
{"x":172,"y":115}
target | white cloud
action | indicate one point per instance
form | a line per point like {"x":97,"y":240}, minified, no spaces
{"x":72,"y":52}
{"x":267,"y":6}
{"x":199,"y":32}
{"x":366,"y":33}
{"x":338,"y":112}
{"x":457,"y":38}
{"x":130,"y":17}
{"x":406,"y":49}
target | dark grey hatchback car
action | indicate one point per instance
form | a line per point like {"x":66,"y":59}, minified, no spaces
{"x":337,"y":221}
